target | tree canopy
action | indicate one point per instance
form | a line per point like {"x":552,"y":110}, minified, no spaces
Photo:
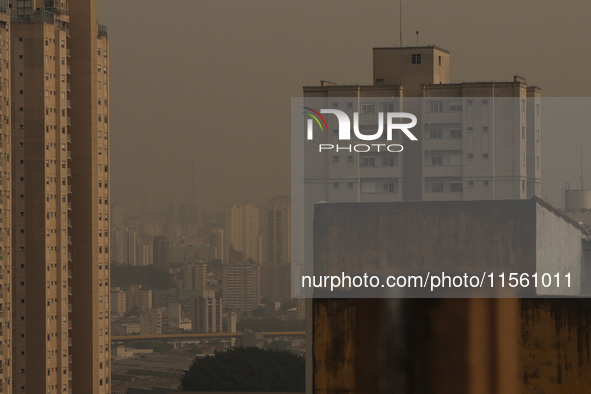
{"x":246,"y":369}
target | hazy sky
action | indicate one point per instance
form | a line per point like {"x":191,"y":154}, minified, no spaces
{"x":211,"y":80}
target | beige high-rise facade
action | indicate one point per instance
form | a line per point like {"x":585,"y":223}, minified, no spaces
{"x":5,"y":214}
{"x":476,"y":140}
{"x":242,"y":232}
{"x":275,"y":224}
{"x":60,"y":313}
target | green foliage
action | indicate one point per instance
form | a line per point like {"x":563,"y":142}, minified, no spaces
{"x":279,"y":344}
{"x":246,"y":369}
{"x":149,"y":276}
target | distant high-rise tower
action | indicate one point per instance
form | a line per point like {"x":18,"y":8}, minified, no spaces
{"x":275,"y":226}
{"x":194,"y":277}
{"x":162,"y":252}
{"x":60,"y":176}
{"x":131,"y":246}
{"x":241,"y":287}
{"x":242,"y":232}
{"x":276,"y":233}
{"x":208,"y":313}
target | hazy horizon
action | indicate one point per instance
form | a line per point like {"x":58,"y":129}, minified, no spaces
{"x":211,"y":82}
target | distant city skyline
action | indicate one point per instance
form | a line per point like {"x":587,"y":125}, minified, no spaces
{"x":174,"y":74}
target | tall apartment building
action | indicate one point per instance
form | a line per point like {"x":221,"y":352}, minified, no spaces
{"x":242,"y":232}
{"x":476,"y":140}
{"x":60,"y":198}
{"x":130,"y":246}
{"x":161,"y":250}
{"x":241,"y":287}
{"x":145,"y":252}
{"x":151,"y":322}
{"x":118,"y":302}
{"x":216,"y":244}
{"x":207,"y":313}
{"x":275,"y":224}
{"x":6,"y":343}
{"x":195,"y":276}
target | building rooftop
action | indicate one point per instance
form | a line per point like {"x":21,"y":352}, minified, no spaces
{"x":413,"y":48}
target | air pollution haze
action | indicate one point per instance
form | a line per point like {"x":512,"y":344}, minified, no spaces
{"x":210,"y":82}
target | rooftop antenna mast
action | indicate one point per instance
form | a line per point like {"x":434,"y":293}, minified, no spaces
{"x":581,"y":167}
{"x":400,"y":22}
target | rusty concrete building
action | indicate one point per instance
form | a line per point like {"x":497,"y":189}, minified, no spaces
{"x":469,"y":345}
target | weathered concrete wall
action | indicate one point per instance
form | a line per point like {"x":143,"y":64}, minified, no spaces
{"x":554,"y":343}
{"x":386,"y":238}
{"x":416,"y":346}
{"x":558,"y":250}
{"x":441,"y":346}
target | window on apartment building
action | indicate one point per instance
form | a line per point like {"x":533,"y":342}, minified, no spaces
{"x":485,"y":102}
{"x":388,"y":161}
{"x":388,"y":187}
{"x":388,"y":107}
{"x":368,"y":162}
{"x":436,"y":160}
{"x":436,"y":106}
{"x":367,"y":109}
{"x":436,"y":133}
{"x":335,"y":159}
{"x":416,"y":58}
{"x":485,"y":155}
{"x":335,"y":185}
{"x":455,"y":106}
{"x":440,"y":60}
{"x":470,"y":156}
{"x":484,"y":183}
{"x":456,"y":186}
{"x":470,"y":183}
{"x":437,"y":187}
{"x":455,"y":133}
